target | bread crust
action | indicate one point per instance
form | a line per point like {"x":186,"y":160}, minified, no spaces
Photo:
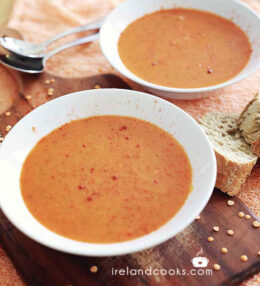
{"x":256,"y":147}
{"x":249,"y":124}
{"x":231,"y":176}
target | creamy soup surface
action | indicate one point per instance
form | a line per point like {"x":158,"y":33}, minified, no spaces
{"x":106,"y":179}
{"x":184,"y":48}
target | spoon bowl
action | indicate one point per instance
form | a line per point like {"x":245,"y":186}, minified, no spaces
{"x":22,"y":48}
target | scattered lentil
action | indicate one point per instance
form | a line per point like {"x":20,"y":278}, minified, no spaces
{"x":28,"y":97}
{"x":243,"y":258}
{"x":93,"y":269}
{"x":224,"y":250}
{"x":216,"y":228}
{"x":50,"y":91}
{"x":258,"y":253}
{"x":230,"y":232}
{"x":247,"y":216}
{"x":1,"y":139}
{"x":8,"y":128}
{"x":7,"y":113}
{"x":197,"y":217}
{"x":216,"y":266}
{"x":210,"y":238}
{"x":241,"y":214}
{"x":256,"y":223}
{"x":52,"y":80}
{"x":230,"y":203}
{"x":97,"y":86}
{"x":47,"y":81}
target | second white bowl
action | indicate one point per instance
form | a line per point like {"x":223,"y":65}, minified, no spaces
{"x":129,"y":11}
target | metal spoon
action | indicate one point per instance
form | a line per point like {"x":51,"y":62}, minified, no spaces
{"x":23,"y":48}
{"x":36,"y":63}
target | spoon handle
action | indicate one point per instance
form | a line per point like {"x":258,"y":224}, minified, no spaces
{"x":87,"y":39}
{"x":92,"y":26}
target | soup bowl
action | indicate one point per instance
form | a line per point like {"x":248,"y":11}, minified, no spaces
{"x":131,"y":10}
{"x":44,"y":119}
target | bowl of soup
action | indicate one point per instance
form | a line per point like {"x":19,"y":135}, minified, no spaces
{"x":182,"y":49}
{"x":105,"y":172}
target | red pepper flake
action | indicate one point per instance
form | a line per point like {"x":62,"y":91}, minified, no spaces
{"x":137,"y":146}
{"x":67,"y":155}
{"x":89,"y":199}
{"x":124,"y":127}
{"x":92,"y":170}
{"x":84,"y":145}
{"x":153,"y":63}
{"x":126,"y":138}
{"x":209,"y":71}
{"x":81,"y":187}
{"x":114,"y":177}
{"x":156,"y":181}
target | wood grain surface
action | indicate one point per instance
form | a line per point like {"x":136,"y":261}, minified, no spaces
{"x":39,"y":265}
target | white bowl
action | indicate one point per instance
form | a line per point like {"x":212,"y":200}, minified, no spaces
{"x":21,"y":139}
{"x":131,"y":10}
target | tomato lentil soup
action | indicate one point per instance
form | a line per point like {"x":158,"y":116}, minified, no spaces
{"x":106,"y":179}
{"x":184,"y":48}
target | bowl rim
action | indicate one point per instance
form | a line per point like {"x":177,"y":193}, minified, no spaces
{"x":106,"y":251}
{"x":133,"y":77}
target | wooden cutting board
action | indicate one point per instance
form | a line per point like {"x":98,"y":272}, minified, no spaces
{"x":39,"y":265}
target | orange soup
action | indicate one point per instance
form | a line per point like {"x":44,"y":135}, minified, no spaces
{"x":184,"y":48}
{"x":106,"y":179}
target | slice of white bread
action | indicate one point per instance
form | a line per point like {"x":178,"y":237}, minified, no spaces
{"x":249,"y":124}
{"x":235,"y":159}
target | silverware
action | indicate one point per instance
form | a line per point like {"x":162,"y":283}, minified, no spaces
{"x":23,"y":48}
{"x":36,"y":63}
{"x":31,"y":58}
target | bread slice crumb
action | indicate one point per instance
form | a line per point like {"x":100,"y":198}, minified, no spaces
{"x":235,"y":158}
{"x":249,"y":124}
